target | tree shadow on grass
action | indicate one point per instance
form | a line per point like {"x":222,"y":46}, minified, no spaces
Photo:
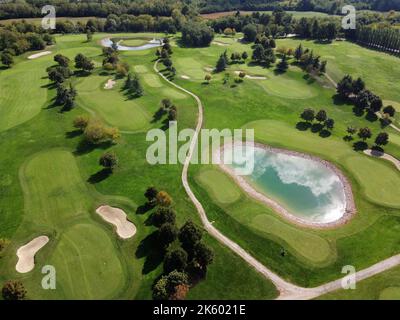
{"x":85,"y":147}
{"x":149,"y":247}
{"x":100,"y":176}
{"x":144,"y":208}
{"x":73,"y":134}
{"x":158,"y":115}
{"x":303,"y":126}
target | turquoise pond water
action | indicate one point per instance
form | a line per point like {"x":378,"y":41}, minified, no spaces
{"x":304,"y":187}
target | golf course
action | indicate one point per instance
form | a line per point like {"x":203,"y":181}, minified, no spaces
{"x":51,"y":181}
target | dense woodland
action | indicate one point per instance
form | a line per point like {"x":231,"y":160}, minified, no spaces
{"x":86,"y":8}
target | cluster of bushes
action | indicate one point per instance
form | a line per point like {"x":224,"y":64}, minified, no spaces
{"x":19,"y":38}
{"x":381,"y":139}
{"x":197,"y":34}
{"x":186,"y":256}
{"x":324,"y":124}
{"x":224,"y":61}
{"x":309,"y":61}
{"x":94,"y":131}
{"x":133,"y":85}
{"x":13,"y":290}
{"x":354,"y":90}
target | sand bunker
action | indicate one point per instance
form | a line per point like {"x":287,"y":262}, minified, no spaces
{"x":222,"y":44}
{"x":209,"y":69}
{"x":38,"y":55}
{"x":252,"y":77}
{"x":185,"y":77}
{"x":110,"y":84}
{"x":26,"y":254}
{"x":117,"y":217}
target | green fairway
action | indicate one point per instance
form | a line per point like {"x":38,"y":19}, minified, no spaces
{"x":222,"y":189}
{"x":380,"y":182}
{"x":16,"y":84}
{"x":87,"y":264}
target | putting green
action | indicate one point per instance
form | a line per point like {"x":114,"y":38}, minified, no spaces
{"x":390,"y":293}
{"x":134,"y":42}
{"x":141,"y":68}
{"x":381,"y":183}
{"x":87,"y":264}
{"x":152,"y":80}
{"x":310,"y":246}
{"x":115,"y":108}
{"x":221,"y":187}
{"x":191,"y":67}
{"x":86,"y":261}
{"x":285,"y":87}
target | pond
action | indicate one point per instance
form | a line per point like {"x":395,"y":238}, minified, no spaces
{"x":154,"y":43}
{"x":303,"y":188}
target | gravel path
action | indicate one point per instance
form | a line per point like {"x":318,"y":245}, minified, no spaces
{"x":287,"y":290}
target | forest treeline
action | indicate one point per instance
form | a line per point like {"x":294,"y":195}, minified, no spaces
{"x":102,"y":8}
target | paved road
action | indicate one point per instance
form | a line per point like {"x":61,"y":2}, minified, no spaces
{"x":287,"y":290}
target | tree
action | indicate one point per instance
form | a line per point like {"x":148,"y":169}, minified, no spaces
{"x":164,"y":199}
{"x":160,"y":289}
{"x":250,"y":32}
{"x":329,"y":123}
{"x":89,"y":36}
{"x":298,"y":53}
{"x":13,"y":290}
{"x":382,"y":139}
{"x":96,"y":133}
{"x":283,"y":64}
{"x":358,"y":85}
{"x":163,"y":215}
{"x":207,"y":78}
{"x":82,"y":62}
{"x":189,"y":235}
{"x":351,"y":131}
{"x":308,"y":115}
{"x":151,"y":195}
{"x":245,"y":56}
{"x":81,"y":122}
{"x":390,"y":110}
{"x":133,"y":85}
{"x":173,"y":114}
{"x":365,"y":133}
{"x":175,"y":260}
{"x":322,"y":67}
{"x":376,"y":104}
{"x":221,"y":64}
{"x":345,"y":86}
{"x":109,"y":160}
{"x":167,"y":233}
{"x":203,"y":255}
{"x":63,"y":61}
{"x":7,"y":59}
{"x":321,"y":116}
{"x":197,"y":34}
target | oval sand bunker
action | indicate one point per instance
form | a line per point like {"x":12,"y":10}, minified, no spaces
{"x":38,"y":55}
{"x":125,"y":228}
{"x":26,"y":254}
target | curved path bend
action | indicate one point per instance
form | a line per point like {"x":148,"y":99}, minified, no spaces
{"x":287,"y":290}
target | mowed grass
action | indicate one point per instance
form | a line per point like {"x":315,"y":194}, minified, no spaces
{"x":379,"y":70}
{"x":220,"y":186}
{"x":84,"y":254}
{"x":51,"y":130}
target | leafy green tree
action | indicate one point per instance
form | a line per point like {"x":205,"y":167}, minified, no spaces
{"x":345,"y":86}
{"x":151,"y":195}
{"x":308,"y":115}
{"x":81,"y":122}
{"x":63,"y":61}
{"x":13,"y":290}
{"x":7,"y":59}
{"x":109,"y":160}
{"x":298,"y":53}
{"x":163,"y":215}
{"x":283,"y":65}
{"x":329,"y":123}
{"x":365,"y":133}
{"x":167,"y":233}
{"x":160,"y":289}
{"x":321,"y":116}
{"x":245,"y":56}
{"x":164,"y":199}
{"x":203,"y":255}
{"x":189,"y":235}
{"x":250,"y":32}
{"x":175,"y":260}
{"x":221,"y":64}
{"x":358,"y":85}
{"x":390,"y":110}
{"x":382,"y":139}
